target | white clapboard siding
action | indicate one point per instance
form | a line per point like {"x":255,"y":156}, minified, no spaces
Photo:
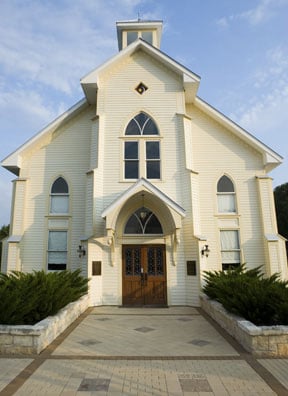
{"x":66,"y":155}
{"x":218,"y":152}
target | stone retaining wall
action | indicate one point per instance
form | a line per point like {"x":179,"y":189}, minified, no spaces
{"x":259,"y":340}
{"x":33,"y":339}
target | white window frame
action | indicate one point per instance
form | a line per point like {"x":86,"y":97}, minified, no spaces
{"x":142,"y":160}
{"x":233,"y":249}
{"x":54,"y":196}
{"x":49,"y":250}
{"x":139,"y":35}
{"x":231,"y":194}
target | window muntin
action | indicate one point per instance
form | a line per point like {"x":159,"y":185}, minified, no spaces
{"x":141,"y":124}
{"x":142,"y":157}
{"x":146,"y":35}
{"x":131,"y":156}
{"x":230,"y":248}
{"x":57,"y":250}
{"x":59,"y":202}
{"x":153,"y":160}
{"x":226,"y":195}
{"x":143,"y":221}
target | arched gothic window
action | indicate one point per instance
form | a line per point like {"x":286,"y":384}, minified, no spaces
{"x":141,"y":124}
{"x":226,"y":195}
{"x":143,"y":221}
{"x":59,"y":196}
{"x":142,"y":156}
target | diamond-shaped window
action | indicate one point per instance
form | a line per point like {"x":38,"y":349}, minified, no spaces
{"x":141,"y":88}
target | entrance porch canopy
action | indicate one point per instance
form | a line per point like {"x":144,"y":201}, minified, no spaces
{"x":154,"y":198}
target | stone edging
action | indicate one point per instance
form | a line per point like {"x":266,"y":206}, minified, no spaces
{"x":259,"y":340}
{"x":27,"y":339}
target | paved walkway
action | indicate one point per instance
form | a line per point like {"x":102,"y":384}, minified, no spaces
{"x":124,"y":351}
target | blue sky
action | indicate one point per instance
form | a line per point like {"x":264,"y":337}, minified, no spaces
{"x":239,"y":48}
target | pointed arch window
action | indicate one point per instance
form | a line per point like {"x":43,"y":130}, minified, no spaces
{"x":59,"y":202}
{"x":226,"y":195}
{"x":143,"y":221}
{"x":142,"y":156}
{"x":141,"y":124}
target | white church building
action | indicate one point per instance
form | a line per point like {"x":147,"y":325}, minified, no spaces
{"x":143,"y":185}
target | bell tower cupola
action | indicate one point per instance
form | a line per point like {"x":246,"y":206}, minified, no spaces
{"x":130,"y":31}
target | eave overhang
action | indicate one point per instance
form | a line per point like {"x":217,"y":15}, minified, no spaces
{"x":271,"y":159}
{"x":191,"y":81}
{"x":111,"y":212}
{"x":13,"y":162}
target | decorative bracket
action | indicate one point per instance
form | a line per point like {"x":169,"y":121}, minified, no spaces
{"x":176,"y":242}
{"x":111,"y":243}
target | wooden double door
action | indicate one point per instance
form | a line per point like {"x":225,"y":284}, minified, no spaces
{"x":144,"y":275}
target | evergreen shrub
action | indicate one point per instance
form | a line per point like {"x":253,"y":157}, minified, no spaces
{"x":27,"y":298}
{"x":247,"y":293}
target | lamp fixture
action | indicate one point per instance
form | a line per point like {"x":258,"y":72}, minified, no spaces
{"x":81,"y":251}
{"x":143,"y":212}
{"x":205,"y":251}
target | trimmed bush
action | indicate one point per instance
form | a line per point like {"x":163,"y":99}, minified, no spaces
{"x":262,"y":301}
{"x":27,"y":298}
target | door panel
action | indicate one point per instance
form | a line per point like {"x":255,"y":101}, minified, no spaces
{"x":144,"y":275}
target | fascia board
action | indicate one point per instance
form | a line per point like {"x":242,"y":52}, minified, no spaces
{"x":14,"y":159}
{"x":143,"y":183}
{"x":92,"y":76}
{"x":188,"y":75}
{"x":269,"y":155}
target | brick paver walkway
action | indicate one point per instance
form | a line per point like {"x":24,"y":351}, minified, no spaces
{"x":117,"y":351}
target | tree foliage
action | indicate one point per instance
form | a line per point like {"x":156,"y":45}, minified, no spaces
{"x":281,"y":206}
{"x":4,"y":232}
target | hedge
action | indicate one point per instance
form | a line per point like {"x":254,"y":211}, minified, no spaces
{"x":27,"y":298}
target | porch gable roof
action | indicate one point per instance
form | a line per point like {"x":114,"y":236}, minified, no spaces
{"x":145,"y":185}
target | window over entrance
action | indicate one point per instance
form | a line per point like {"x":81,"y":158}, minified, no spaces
{"x":143,"y":221}
{"x":142,"y":152}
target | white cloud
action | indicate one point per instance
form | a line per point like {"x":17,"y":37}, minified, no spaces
{"x":265,"y":114}
{"x":54,"y":45}
{"x":267,"y":108}
{"x":265,"y":10}
{"x":26,"y":102}
{"x":6,"y":194}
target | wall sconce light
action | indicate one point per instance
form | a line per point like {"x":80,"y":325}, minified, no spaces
{"x":81,"y":251}
{"x":205,"y":251}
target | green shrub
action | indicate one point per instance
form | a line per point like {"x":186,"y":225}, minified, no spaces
{"x":263,"y":301}
{"x":27,"y":298}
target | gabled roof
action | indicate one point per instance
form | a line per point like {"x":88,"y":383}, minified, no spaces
{"x":190,"y":80}
{"x":143,"y":184}
{"x":13,"y":161}
{"x":270,"y":158}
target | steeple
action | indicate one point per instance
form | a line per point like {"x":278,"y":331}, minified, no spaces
{"x":129,"y":31}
